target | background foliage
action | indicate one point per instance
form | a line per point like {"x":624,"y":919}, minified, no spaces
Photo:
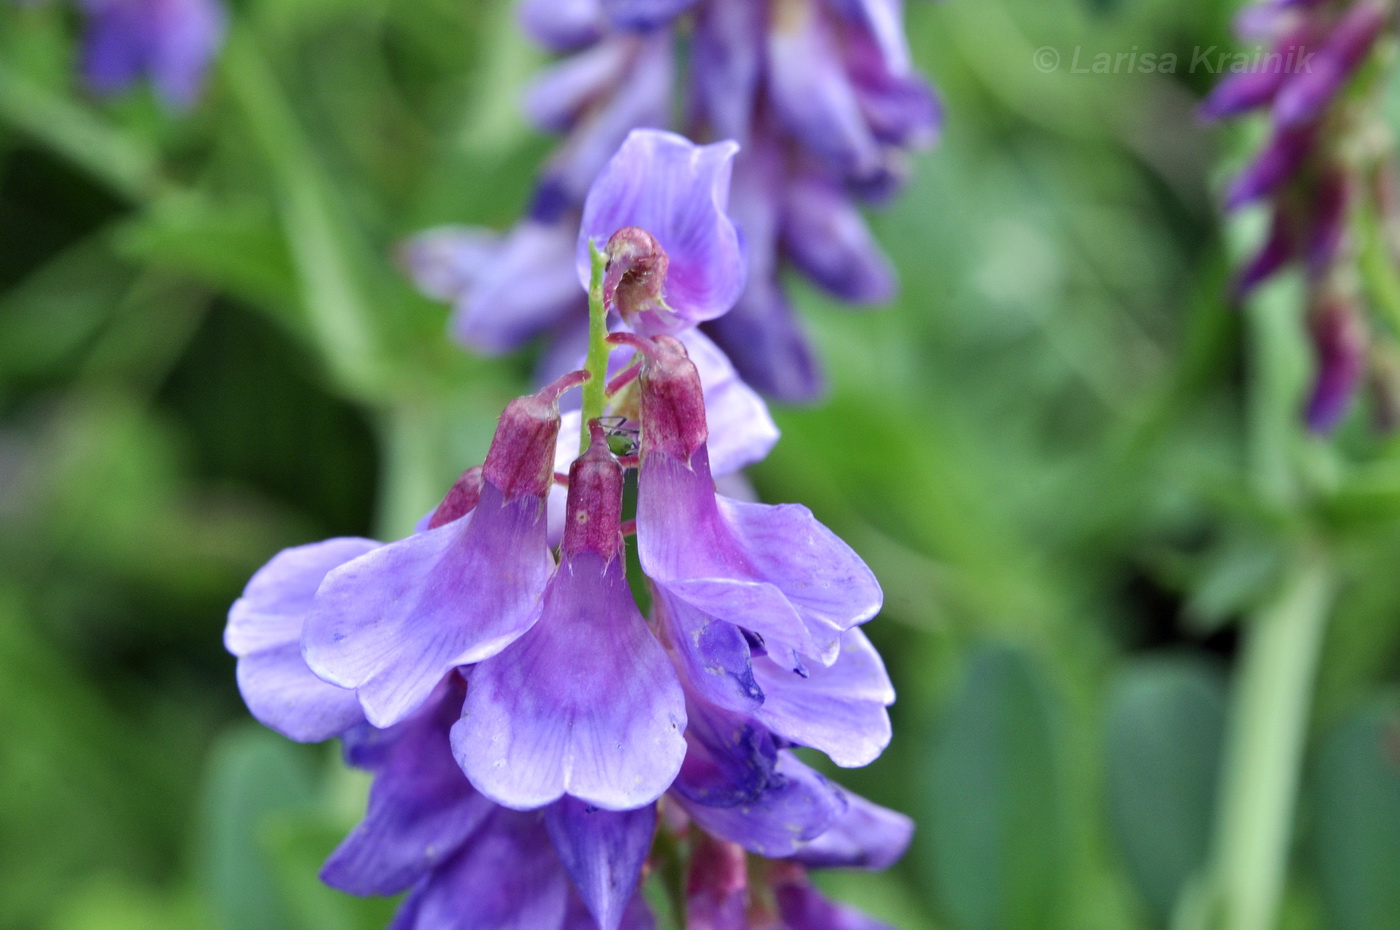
{"x":1045,"y":448}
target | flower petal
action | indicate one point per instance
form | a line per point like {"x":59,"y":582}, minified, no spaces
{"x":839,"y":710}
{"x":392,"y":623}
{"x":603,"y":852}
{"x":277,"y":598}
{"x":796,"y":806}
{"x":678,"y":192}
{"x":585,"y":704}
{"x":526,"y":287}
{"x":531,"y":893}
{"x":773,"y":570}
{"x":867,"y":836}
{"x":712,"y":655}
{"x":644,"y":14}
{"x":421,"y":808}
{"x":281,"y":693}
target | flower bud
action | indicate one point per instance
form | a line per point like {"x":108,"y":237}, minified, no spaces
{"x":635,"y":276}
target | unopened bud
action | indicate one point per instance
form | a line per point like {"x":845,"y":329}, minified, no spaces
{"x":635,"y":276}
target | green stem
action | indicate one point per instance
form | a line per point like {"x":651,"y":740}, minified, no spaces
{"x":82,"y":136}
{"x":1277,"y":670}
{"x":1273,"y":698}
{"x":596,"y":364}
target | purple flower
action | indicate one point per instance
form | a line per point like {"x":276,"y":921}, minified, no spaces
{"x":659,"y":212}
{"x":1339,"y":347}
{"x":585,"y":703}
{"x":390,"y":624}
{"x":824,"y":100}
{"x":1303,"y":99}
{"x":427,"y":829}
{"x":171,"y":42}
{"x":774,"y":571}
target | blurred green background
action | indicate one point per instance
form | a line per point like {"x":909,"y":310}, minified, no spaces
{"x":1077,"y":472}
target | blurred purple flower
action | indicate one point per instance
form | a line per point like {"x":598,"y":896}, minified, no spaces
{"x":170,"y":42}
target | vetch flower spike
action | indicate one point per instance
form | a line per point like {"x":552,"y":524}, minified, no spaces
{"x":586,"y":703}
{"x":391,"y":624}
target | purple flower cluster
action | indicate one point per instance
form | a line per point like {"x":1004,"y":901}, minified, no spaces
{"x":168,"y":42}
{"x":530,"y":729}
{"x":820,"y":95}
{"x":1318,"y":172}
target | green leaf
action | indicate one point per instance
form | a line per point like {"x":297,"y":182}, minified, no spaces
{"x":1357,"y":834}
{"x":255,"y":776}
{"x":992,"y":823}
{"x":1166,"y":720}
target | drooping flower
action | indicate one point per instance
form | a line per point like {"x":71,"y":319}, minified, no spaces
{"x":1319,"y":172}
{"x":390,"y":624}
{"x":169,"y":42}
{"x":771,"y":570}
{"x":585,"y":703}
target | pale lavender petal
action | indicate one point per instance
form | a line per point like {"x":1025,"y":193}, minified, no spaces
{"x":277,"y":598}
{"x":281,"y":693}
{"x":827,"y":239}
{"x":556,"y":97}
{"x":445,"y":263}
{"x":644,"y":14}
{"x":839,"y":709}
{"x":392,"y":623}
{"x":678,"y":192}
{"x":796,"y":807}
{"x":476,"y":890}
{"x":773,"y":570}
{"x":421,"y":807}
{"x":642,"y":99}
{"x":585,"y":704}
{"x":867,"y":836}
{"x":527,"y":287}
{"x":186,"y":37}
{"x":764,"y":339}
{"x":728,"y":65}
{"x":813,"y":95}
{"x":604,"y":852}
{"x":562,"y":25}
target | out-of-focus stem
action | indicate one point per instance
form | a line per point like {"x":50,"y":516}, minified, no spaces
{"x":1277,"y":668}
{"x":79,"y":135}
{"x":596,"y":364}
{"x":1268,"y":728}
